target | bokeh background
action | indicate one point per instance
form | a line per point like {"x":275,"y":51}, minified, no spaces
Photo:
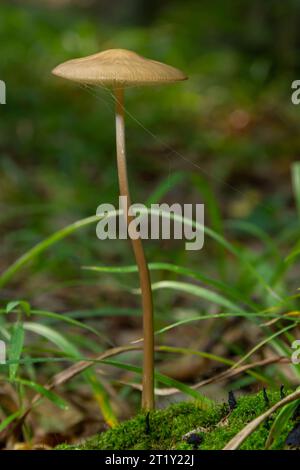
{"x":227,"y":137}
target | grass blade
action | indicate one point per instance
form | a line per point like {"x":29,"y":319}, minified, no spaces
{"x":214,"y":214}
{"x":267,"y":340}
{"x":57,"y":236}
{"x":44,"y":245}
{"x":280,"y":421}
{"x":165,"y":380}
{"x":181,"y":270}
{"x":9,"y":419}
{"x":53,"y":397}
{"x":68,"y":348}
{"x":197,"y":291}
{"x":15,"y":350}
{"x":246,"y":315}
{"x":239,"y":438}
{"x":102,"y":399}
{"x":53,"y":336}
{"x":59,"y":317}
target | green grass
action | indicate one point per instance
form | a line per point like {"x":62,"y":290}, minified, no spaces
{"x":215,"y":427}
{"x":57,"y":167}
{"x":231,"y":297}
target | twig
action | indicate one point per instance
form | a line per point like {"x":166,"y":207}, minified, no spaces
{"x":219,"y":377}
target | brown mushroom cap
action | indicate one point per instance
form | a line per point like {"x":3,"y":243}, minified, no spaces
{"x":118,"y":68}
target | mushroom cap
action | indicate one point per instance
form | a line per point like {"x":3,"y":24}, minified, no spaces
{"x":118,"y":68}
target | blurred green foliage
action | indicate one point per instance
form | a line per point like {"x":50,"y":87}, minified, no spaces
{"x":232,"y":124}
{"x":226,"y":137}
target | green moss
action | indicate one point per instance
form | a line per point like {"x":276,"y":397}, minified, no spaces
{"x":215,"y":425}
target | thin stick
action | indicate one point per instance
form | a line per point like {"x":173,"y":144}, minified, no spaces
{"x":229,"y":373}
{"x":145,"y":283}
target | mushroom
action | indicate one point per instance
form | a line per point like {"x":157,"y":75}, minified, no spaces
{"x":118,"y":69}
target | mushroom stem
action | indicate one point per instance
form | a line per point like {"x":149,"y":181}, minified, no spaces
{"x":145,"y":283}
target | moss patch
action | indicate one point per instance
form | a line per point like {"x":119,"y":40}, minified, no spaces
{"x":215,"y":426}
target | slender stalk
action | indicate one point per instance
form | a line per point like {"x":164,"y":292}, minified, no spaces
{"x":145,"y":283}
